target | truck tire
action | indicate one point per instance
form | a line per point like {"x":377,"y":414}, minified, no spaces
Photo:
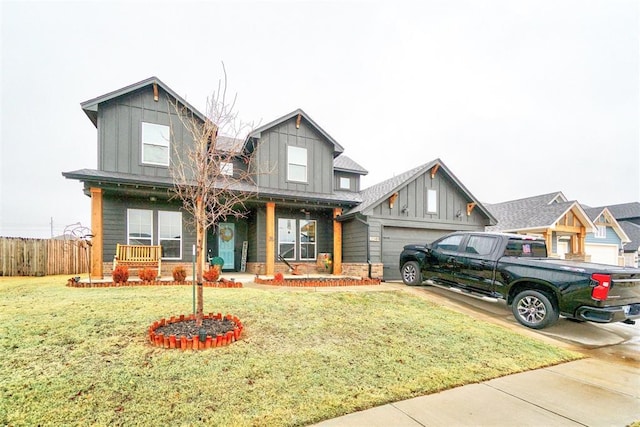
{"x":534,"y":309}
{"x":411,"y":274}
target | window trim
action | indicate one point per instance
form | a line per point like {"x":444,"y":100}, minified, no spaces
{"x":432,"y":201}
{"x":148,"y":212}
{"x":281,"y":242}
{"x":314,"y":243}
{"x":166,"y":144}
{"x":600,"y":232}
{"x":342,"y":180}
{"x":291,"y":149}
{"x":161,"y":239}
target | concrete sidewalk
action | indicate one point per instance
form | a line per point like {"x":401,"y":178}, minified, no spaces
{"x":586,"y":392}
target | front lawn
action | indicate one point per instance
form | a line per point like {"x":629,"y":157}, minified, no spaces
{"x":79,"y":356}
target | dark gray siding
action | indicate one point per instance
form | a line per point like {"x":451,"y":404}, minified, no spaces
{"x":451,"y":206}
{"x":354,"y":241}
{"x":115,"y":224}
{"x":119,"y":131}
{"x":354,"y":180}
{"x":271,"y":157}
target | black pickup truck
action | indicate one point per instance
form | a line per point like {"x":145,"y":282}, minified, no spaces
{"x":516,"y":268}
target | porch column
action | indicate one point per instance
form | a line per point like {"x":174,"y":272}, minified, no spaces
{"x":96,"y":230}
{"x":270,"y":266}
{"x":548,"y":238}
{"x":337,"y":242}
{"x":581,"y":239}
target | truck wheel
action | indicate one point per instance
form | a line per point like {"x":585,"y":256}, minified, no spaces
{"x":411,"y":274}
{"x":534,"y":309}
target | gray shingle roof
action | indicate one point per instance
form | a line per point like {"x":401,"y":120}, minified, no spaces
{"x":338,"y":197}
{"x":344,"y":163}
{"x":526,"y":214}
{"x":632,"y":231}
{"x":624,"y":210}
{"x":593,"y":213}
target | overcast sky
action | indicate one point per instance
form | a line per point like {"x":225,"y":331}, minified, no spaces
{"x":518,"y":98}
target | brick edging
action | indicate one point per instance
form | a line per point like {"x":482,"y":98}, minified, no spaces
{"x":219,"y":284}
{"x":322,"y":282}
{"x":184,"y":343}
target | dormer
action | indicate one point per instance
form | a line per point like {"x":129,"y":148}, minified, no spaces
{"x":347,"y":174}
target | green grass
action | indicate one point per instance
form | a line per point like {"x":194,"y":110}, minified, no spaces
{"x":78,"y":356}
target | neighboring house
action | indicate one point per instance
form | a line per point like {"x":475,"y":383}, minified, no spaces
{"x":417,"y":206}
{"x":628,"y":216}
{"x":309,"y":204}
{"x":563,"y":224}
{"x":605,"y":244}
{"x":626,"y":212}
{"x":632,"y":248}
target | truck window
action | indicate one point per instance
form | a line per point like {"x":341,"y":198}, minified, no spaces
{"x":480,"y":245}
{"x":450,"y":243}
{"x":526,"y":248}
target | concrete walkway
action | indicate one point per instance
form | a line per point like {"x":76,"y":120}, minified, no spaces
{"x":587,"y":392}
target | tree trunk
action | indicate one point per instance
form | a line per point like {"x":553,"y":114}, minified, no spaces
{"x":199,"y":262}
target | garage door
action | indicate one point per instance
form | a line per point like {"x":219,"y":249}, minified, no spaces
{"x":394,"y":239}
{"x":603,"y":254}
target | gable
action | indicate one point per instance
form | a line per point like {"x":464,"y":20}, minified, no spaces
{"x":540,"y":213}
{"x":428,"y":193}
{"x":294,"y":155}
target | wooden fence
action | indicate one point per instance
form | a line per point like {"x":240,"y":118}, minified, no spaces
{"x":42,"y":257}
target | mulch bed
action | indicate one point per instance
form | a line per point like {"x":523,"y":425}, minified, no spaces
{"x":189,"y":329}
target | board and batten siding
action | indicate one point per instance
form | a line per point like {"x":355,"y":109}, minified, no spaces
{"x":451,"y":203}
{"x":115,"y":224}
{"x":271,"y":156}
{"x":119,"y":132}
{"x":354,"y":248}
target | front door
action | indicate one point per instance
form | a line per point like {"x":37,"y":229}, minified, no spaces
{"x":226,"y":244}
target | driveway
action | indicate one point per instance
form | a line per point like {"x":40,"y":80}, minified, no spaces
{"x":616,"y":342}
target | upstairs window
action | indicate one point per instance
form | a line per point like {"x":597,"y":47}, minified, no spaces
{"x":432,"y":201}
{"x":170,"y":234}
{"x":601,"y":232}
{"x":155,"y":144}
{"x":345,"y":183}
{"x":139,"y":227}
{"x":296,"y":164}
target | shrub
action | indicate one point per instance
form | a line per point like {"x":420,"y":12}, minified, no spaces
{"x":179,"y":273}
{"x":120,"y":274}
{"x":278,"y":278}
{"x":148,"y":274}
{"x":212,"y":274}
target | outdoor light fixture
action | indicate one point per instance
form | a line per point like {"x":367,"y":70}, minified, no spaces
{"x":153,"y":198}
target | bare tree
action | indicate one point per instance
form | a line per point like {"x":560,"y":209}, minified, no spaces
{"x":212,"y":174}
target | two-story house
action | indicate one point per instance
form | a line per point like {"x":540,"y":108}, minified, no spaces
{"x":606,"y":243}
{"x":308,"y":204}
